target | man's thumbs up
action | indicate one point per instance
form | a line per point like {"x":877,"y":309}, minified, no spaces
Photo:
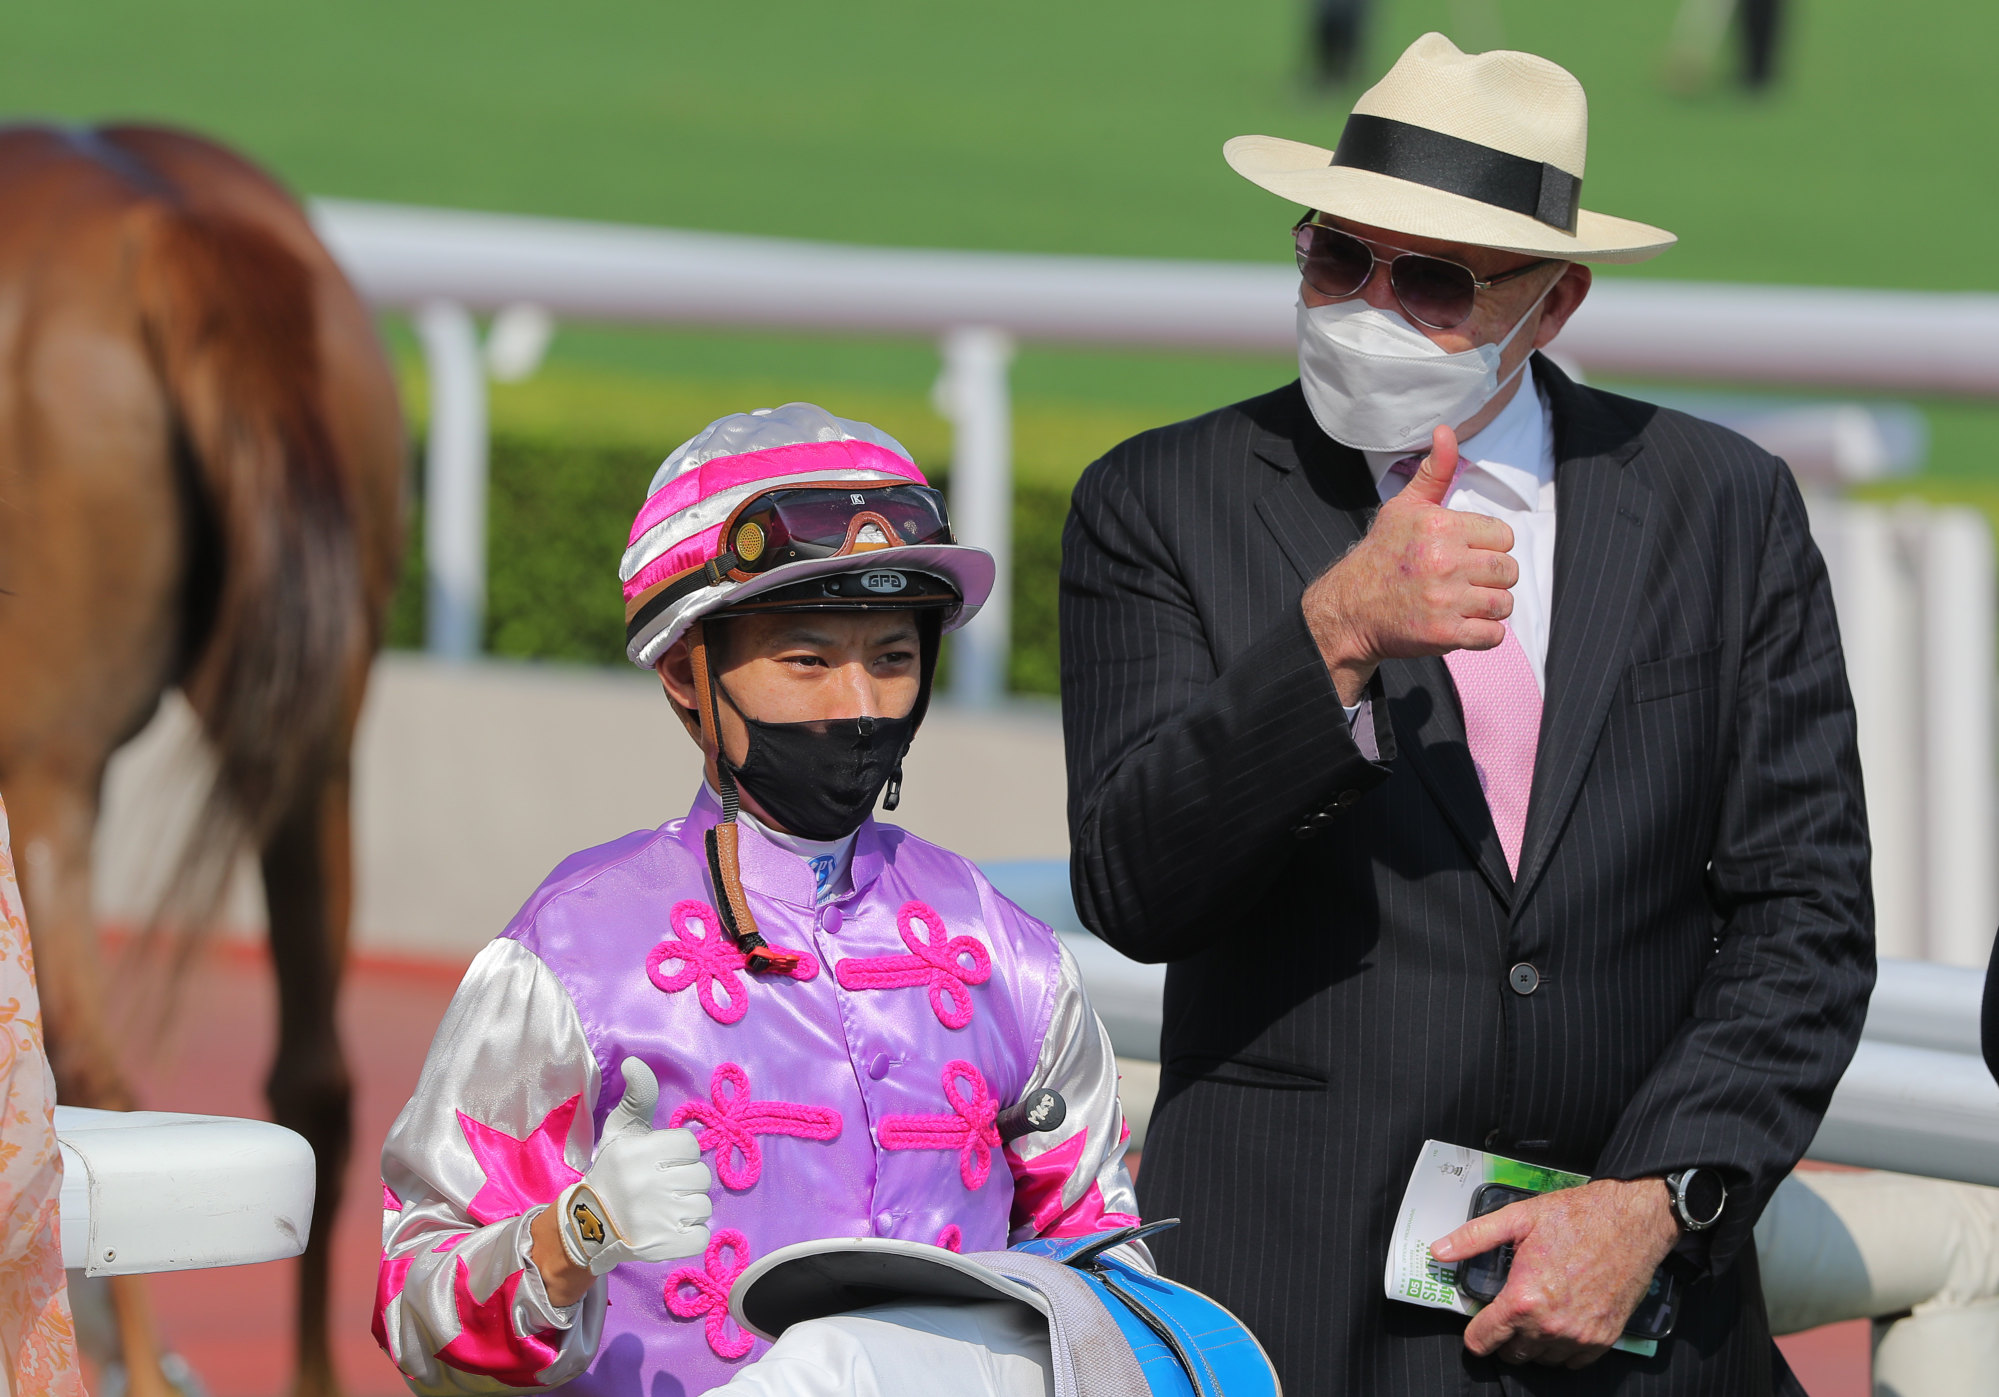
{"x":1425,"y":581}
{"x":1434,"y":474}
{"x":646,"y":1195}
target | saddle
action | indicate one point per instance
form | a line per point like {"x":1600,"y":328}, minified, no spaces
{"x":1115,"y":1329}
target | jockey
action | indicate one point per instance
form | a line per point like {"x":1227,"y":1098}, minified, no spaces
{"x":775,"y":1008}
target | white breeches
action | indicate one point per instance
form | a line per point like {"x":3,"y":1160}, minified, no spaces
{"x":986,"y":1348}
{"x":1837,"y":1246}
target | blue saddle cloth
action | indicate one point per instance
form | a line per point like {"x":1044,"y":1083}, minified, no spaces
{"x":1186,"y":1344}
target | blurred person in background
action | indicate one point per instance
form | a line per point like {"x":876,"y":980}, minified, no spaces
{"x":843,"y":1011}
{"x":37,"y":1338}
{"x":1476,"y":748}
{"x":1762,"y":23}
{"x":1988,"y":1028}
{"x":1339,"y":31}
{"x":1702,"y":29}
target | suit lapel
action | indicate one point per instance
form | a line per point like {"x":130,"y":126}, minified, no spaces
{"x":1316,"y":512}
{"x":1325,"y":498}
{"x":1602,"y":546}
{"x":1430,"y":731}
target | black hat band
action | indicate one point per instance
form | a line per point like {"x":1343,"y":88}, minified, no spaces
{"x":1457,"y":166}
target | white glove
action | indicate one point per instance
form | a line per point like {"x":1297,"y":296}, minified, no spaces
{"x":646,"y":1195}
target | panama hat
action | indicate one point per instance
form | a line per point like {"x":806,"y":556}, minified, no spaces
{"x":1480,"y":148}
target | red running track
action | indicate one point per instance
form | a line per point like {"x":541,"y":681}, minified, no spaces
{"x":235,"y":1325}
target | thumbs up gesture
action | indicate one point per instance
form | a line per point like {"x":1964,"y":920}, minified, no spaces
{"x":646,"y":1195}
{"x":1425,"y":581}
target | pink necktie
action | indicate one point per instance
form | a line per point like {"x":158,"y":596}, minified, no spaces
{"x":1502,"y":706}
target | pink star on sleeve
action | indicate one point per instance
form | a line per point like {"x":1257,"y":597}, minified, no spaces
{"x":520,"y":1174}
{"x":487,"y":1344}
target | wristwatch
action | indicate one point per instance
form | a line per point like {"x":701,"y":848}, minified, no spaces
{"x":1698,"y":1197}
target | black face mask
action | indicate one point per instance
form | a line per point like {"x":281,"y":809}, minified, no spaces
{"x":820,"y":779}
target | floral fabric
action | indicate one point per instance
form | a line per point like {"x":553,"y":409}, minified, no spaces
{"x":37,"y":1338}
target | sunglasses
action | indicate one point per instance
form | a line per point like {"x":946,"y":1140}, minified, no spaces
{"x":1430,"y":290}
{"x":828,"y":521}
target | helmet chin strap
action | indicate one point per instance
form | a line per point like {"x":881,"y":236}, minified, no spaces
{"x":724,"y":867}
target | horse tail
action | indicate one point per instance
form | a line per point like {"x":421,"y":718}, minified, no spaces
{"x":279,"y":620}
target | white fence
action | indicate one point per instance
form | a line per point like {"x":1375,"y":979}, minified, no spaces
{"x":440,"y":264}
{"x":1915,"y":587}
{"x":1917,"y":1098}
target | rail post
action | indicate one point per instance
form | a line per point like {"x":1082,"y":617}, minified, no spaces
{"x":454,"y":526}
{"x":973,"y":395}
{"x":1961,"y":829}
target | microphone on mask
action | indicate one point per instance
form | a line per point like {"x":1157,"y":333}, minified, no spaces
{"x":1040,"y":1110}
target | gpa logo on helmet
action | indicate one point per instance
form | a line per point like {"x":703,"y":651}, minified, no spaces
{"x":884,"y":583}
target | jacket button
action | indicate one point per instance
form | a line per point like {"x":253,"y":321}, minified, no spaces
{"x":1524,"y":978}
{"x":1345,"y":798}
{"x":878,"y":1069}
{"x":829,"y":920}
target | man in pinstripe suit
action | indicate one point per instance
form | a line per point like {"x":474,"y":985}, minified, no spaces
{"x":1453,"y":824}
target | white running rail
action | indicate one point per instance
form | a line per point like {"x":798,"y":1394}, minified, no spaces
{"x":1917,"y":1097}
{"x":975,"y":304}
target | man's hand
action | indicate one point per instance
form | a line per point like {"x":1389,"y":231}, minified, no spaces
{"x":644,"y":1199}
{"x":1582,"y":1260}
{"x":1425,"y":580}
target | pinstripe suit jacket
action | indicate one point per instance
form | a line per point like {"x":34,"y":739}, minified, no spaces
{"x":1693,"y":888}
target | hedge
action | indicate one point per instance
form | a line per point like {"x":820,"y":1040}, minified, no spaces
{"x":557,"y":519}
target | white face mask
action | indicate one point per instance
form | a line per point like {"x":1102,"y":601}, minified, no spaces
{"x":1377,"y":383}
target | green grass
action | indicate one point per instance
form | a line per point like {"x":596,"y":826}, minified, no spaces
{"x":1060,"y":126}
{"x":1074,"y":125}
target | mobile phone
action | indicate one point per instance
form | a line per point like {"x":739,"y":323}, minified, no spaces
{"x":1482,"y":1277}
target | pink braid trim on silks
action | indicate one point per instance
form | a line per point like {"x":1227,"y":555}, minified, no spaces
{"x":933,"y":961}
{"x":710,"y":1287}
{"x":390,"y":1203}
{"x":951,"y":1238}
{"x":486,"y":1342}
{"x":969,"y":1129}
{"x":800,"y":458}
{"x":1037,"y":1193}
{"x":734,"y":1119}
{"x":710,"y":963}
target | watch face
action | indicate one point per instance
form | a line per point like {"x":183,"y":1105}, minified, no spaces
{"x":1703,"y":1195}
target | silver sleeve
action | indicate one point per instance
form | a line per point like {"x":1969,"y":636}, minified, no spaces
{"x":504,"y":1068}
{"x":1091,"y":1189}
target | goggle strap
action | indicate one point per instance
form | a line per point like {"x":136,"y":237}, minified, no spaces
{"x":704,"y":693}
{"x":725,"y":869}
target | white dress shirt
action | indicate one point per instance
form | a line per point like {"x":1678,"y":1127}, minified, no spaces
{"x":1506,"y":471}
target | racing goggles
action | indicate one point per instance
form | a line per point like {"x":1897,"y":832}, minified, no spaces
{"x":804,"y":522}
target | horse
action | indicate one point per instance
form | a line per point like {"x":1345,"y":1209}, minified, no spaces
{"x":202,"y":460}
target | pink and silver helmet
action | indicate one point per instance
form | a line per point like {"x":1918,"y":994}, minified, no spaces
{"x":791,"y":506}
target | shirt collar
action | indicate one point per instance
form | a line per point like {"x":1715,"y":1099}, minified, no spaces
{"x":1514,"y":451}
{"x":771,"y":869}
